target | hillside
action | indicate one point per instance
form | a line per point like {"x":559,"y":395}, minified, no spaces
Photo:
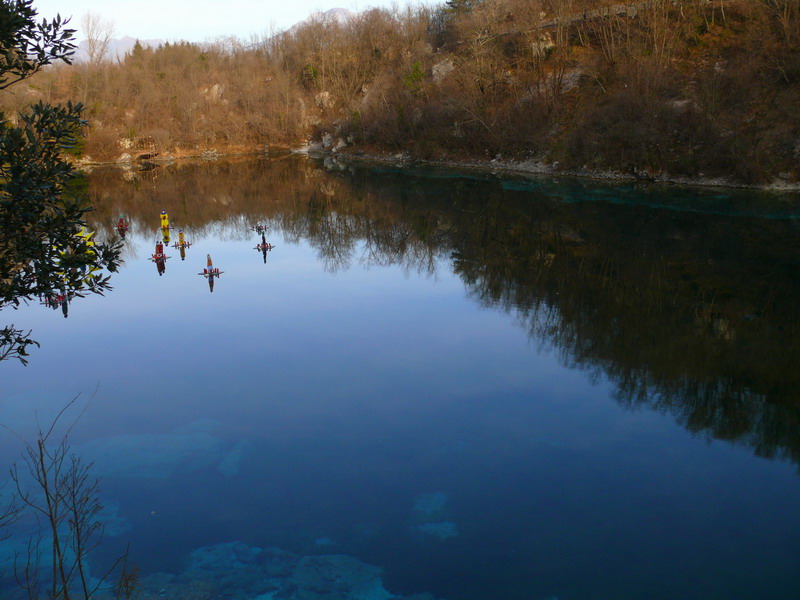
{"x":660,"y":88}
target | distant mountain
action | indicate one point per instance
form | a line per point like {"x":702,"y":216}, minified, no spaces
{"x":116,"y":48}
{"x":342,"y":15}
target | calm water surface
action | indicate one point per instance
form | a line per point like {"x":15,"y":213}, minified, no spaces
{"x":490,"y":389}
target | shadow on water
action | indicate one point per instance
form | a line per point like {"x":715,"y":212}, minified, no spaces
{"x":686,"y":301}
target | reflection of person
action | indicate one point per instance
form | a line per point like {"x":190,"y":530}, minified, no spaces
{"x":55,"y":300}
{"x":209,"y":271}
{"x":164,"y":220}
{"x":64,"y":297}
{"x":264,"y":247}
{"x":122,"y":226}
{"x":160,"y":258}
{"x":182,"y":244}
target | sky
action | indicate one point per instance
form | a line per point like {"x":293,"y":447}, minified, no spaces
{"x":201,"y":20}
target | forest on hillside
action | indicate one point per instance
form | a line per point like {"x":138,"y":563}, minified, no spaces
{"x":682,"y":88}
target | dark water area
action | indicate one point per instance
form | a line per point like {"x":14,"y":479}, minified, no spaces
{"x":487,"y":388}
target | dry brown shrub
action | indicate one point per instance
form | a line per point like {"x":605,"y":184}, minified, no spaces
{"x":102,"y":144}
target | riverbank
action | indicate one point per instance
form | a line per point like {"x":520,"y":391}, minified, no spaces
{"x":534,"y":167}
{"x":496,"y":165}
{"x":138,"y":159}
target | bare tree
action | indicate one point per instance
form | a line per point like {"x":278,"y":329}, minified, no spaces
{"x":99,"y":32}
{"x":62,"y":497}
{"x":9,"y":514}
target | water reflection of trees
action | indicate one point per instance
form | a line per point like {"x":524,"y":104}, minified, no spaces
{"x":46,"y":253}
{"x":291,"y":196}
{"x":690,"y":313}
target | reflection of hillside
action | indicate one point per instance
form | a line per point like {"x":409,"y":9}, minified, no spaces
{"x":691,"y":313}
{"x":292,"y":195}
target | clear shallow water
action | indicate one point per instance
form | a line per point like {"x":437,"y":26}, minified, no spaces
{"x":486,"y":391}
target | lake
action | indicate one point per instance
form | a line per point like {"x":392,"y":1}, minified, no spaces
{"x":436,"y":384}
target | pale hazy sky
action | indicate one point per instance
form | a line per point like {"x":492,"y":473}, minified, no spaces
{"x":200,"y":20}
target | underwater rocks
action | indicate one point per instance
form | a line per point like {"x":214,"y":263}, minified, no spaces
{"x":440,"y":530}
{"x":335,"y":576}
{"x":159,"y":456}
{"x":430,"y":505}
{"x":236,"y":571}
{"x":152,"y":455}
{"x":18,"y":539}
{"x":429,"y":517}
{"x":229,"y":465}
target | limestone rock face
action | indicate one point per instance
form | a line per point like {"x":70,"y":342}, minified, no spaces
{"x":324,"y":100}
{"x":442,"y":69}
{"x":214,"y":93}
{"x":543,"y":45}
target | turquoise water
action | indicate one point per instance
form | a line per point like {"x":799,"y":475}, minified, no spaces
{"x":461,"y":387}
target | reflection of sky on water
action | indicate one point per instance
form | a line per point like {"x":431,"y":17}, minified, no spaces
{"x":293,"y":405}
{"x":287,"y":326}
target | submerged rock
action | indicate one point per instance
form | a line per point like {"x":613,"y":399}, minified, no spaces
{"x":430,"y":517}
{"x":113,"y":523}
{"x":324,"y":541}
{"x":153,"y":455}
{"x":229,"y":465}
{"x":223,"y":557}
{"x":430,"y":505}
{"x":441,"y":530}
{"x":159,"y":456}
{"x":236,"y":571}
{"x":336,"y":577}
